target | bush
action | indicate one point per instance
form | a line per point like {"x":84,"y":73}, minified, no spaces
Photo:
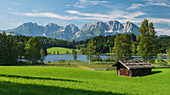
{"x":70,"y":61}
{"x":83,"y":51}
{"x":67,"y":52}
{"x":97,"y":58}
{"x":78,"y":61}
{"x":152,"y":61}
{"x":108,"y":60}
{"x":49,"y":61}
{"x":61,"y":61}
{"x":164,"y":63}
{"x":58,"y":53}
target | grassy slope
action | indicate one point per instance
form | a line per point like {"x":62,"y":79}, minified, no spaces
{"x":60,"y":49}
{"x":71,"y":81}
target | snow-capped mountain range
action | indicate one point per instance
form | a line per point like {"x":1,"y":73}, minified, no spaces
{"x":72,"y":32}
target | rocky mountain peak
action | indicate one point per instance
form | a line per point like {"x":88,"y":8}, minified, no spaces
{"x":51,"y":25}
{"x":72,"y":28}
{"x":29,"y":24}
{"x":72,"y":32}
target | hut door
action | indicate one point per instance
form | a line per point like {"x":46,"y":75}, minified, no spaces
{"x":121,"y":71}
{"x":127,"y":72}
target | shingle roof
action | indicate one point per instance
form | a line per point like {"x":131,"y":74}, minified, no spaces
{"x":134,"y":64}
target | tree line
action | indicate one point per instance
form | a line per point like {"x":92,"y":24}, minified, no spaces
{"x":33,"y":49}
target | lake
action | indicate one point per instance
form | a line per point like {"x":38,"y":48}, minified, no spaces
{"x":55,"y":58}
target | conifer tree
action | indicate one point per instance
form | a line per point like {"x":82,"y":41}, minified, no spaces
{"x":168,"y":52}
{"x":122,"y":47}
{"x":8,"y":52}
{"x":147,"y":47}
{"x":42,"y":53}
{"x":90,"y":50}
{"x":74,"y":52}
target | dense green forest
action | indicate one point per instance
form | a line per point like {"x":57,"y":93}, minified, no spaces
{"x":33,"y":49}
{"x":164,"y":43}
{"x":47,"y":42}
{"x":103,"y":43}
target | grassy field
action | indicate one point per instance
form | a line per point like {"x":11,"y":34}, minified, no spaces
{"x":72,"y":81}
{"x":60,"y":49}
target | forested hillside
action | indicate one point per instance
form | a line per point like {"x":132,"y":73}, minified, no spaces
{"x":103,"y":44}
{"x":33,"y":49}
{"x":47,"y":42}
{"x":164,"y":43}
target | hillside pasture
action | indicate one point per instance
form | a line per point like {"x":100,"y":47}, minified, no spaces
{"x":61,"y":50}
{"x":72,"y":81}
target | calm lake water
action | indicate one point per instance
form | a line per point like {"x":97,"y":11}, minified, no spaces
{"x":55,"y":58}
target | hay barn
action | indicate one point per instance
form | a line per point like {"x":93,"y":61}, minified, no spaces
{"x":132,"y":68}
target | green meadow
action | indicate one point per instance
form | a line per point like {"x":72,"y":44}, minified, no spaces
{"x":42,"y":80}
{"x":61,"y":50}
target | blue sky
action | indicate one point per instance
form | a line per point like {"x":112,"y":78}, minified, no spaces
{"x":63,"y":12}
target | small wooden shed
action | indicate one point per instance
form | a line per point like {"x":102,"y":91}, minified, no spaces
{"x":132,"y":68}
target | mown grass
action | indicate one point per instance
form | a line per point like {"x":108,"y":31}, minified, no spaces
{"x":71,"y":81}
{"x":61,"y":50}
{"x":78,"y":64}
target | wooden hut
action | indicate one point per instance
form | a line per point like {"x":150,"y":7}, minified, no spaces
{"x":132,"y":68}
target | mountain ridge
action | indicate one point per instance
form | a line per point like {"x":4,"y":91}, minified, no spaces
{"x":72,"y":32}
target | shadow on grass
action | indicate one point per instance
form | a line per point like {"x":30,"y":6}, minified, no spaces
{"x":152,"y":73}
{"x":41,"y":78}
{"x":8,"y":88}
{"x":155,"y":72}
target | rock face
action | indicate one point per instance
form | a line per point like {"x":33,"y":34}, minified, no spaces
{"x":72,"y":32}
{"x":105,"y":28}
{"x":130,"y":27}
{"x":29,"y":29}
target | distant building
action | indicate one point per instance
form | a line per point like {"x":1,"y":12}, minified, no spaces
{"x":132,"y":68}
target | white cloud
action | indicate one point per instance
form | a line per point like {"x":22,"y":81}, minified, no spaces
{"x":159,"y":4}
{"x":156,"y":0}
{"x":147,"y":0}
{"x":10,"y":9}
{"x":150,"y":2}
{"x":79,"y":6}
{"x":159,"y":20}
{"x":134,"y":6}
{"x":135,"y":14}
{"x":163,"y":31}
{"x":84,"y":3}
{"x":68,"y":5}
{"x":92,"y":2}
{"x":86,"y":14}
{"x":122,"y":16}
{"x":112,"y":14}
{"x":45,"y":14}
